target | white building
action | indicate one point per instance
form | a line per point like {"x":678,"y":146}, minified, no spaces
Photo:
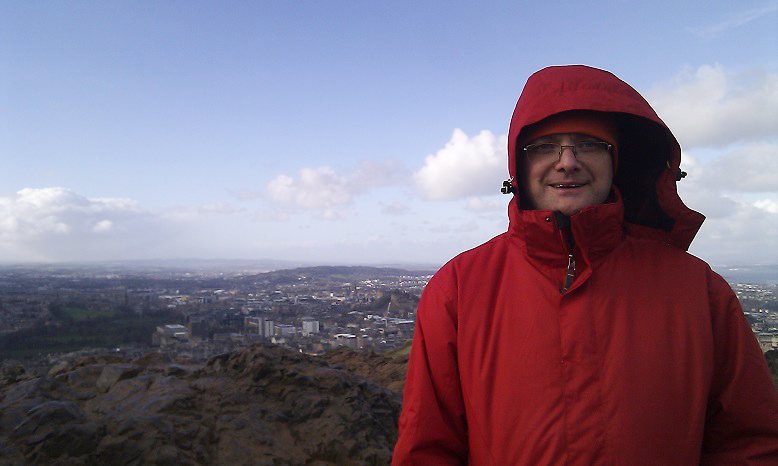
{"x":346,"y":339}
{"x":169,"y":334}
{"x":260,"y":326}
{"x":284,"y":330}
{"x":310,"y":326}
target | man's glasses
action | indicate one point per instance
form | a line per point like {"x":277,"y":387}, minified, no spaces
{"x":583,"y":151}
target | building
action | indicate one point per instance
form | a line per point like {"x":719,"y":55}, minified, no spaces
{"x":261,"y":326}
{"x":285,"y":330}
{"x":310,"y":326}
{"x":345,"y":339}
{"x":170,"y":335}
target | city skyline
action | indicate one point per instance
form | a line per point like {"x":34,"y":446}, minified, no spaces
{"x":349,"y":133}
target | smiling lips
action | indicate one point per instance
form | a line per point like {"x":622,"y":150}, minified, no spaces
{"x":566,"y":185}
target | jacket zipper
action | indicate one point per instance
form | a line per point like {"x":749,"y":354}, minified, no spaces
{"x":570,"y":276}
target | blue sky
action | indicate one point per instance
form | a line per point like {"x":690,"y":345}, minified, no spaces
{"x":350,"y":131}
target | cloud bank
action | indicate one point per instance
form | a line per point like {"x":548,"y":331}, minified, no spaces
{"x":55,"y":223}
{"x":324,"y":190}
{"x":465,"y":166}
{"x":712,"y":107}
{"x":725,"y":121}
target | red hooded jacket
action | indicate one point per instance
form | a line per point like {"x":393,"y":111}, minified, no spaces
{"x":646,"y":358}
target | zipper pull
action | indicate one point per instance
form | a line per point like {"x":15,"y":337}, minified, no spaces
{"x":570,"y":273}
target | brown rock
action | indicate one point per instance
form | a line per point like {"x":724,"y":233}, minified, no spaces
{"x":259,"y":405}
{"x":113,"y":373}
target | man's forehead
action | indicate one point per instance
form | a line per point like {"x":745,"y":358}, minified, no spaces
{"x":562,"y":136}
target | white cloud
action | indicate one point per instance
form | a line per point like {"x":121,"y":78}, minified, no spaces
{"x":218,"y":208}
{"x":32,"y":213}
{"x":324,"y":190}
{"x":103,"y":226}
{"x":735,"y":20}
{"x":396,"y":208}
{"x":748,"y":168}
{"x":51,"y":224}
{"x":736,"y":231}
{"x":712,"y":106}
{"x":769,"y":205}
{"x":466,"y":227}
{"x":748,"y":235}
{"x":725,"y":122}
{"x":464,"y":167}
{"x":315,"y":189}
{"x":246,"y":194}
{"x":485,"y":204}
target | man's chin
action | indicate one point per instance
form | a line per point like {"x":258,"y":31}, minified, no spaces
{"x":570,"y":212}
{"x":570,"y":209}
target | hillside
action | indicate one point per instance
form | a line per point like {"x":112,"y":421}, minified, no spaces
{"x":260,"y":405}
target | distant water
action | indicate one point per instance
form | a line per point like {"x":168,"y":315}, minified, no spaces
{"x":754,"y":274}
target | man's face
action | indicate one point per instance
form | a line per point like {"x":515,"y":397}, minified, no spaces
{"x":568,"y":184}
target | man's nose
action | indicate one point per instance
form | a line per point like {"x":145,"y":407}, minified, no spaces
{"x":567,"y":159}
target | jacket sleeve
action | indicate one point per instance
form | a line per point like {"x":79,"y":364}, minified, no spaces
{"x":741,"y":425}
{"x":432,"y":426}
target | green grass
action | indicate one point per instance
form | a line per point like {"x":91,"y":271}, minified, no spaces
{"x":80,"y":314}
{"x":400,"y":352}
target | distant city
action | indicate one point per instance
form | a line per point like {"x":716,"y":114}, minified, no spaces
{"x":195,"y":311}
{"x":196,"y":314}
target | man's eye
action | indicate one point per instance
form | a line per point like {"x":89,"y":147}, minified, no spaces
{"x":588,"y":146}
{"x":546,"y":148}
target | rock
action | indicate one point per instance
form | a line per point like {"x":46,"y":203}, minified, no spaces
{"x":82,"y":379}
{"x":259,"y":405}
{"x":56,"y":429}
{"x":60,"y":367}
{"x":387,"y":372}
{"x":13,"y":374}
{"x":114,"y":373}
{"x":152,"y":359}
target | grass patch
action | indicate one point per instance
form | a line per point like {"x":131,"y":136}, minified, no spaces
{"x":79,"y":314}
{"x":402,"y":351}
{"x":104,"y":330}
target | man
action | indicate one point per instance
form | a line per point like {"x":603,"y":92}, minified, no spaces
{"x":586,"y":334}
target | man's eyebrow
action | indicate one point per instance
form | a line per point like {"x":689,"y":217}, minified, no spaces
{"x":585,"y":137}
{"x":541,"y":139}
{"x":554,"y":138}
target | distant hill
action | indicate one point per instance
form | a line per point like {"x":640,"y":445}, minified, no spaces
{"x":340,"y":273}
{"x":754,"y":274}
{"x":214,"y":265}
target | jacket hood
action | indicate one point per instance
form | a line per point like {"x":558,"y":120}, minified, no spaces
{"x":649,"y":154}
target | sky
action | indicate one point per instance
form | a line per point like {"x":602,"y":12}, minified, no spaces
{"x":349,"y":132}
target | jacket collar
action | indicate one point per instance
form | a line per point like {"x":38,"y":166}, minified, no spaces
{"x":596,"y":231}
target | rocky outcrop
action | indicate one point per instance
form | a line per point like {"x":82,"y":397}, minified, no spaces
{"x":260,"y":405}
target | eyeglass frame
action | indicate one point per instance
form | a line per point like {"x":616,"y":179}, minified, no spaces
{"x":562,"y":147}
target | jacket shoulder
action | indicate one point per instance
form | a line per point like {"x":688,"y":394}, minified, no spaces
{"x":481,"y":260}
{"x":486,"y":252}
{"x":657,"y":250}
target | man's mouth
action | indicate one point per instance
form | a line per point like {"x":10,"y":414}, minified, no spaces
{"x":566,"y":185}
